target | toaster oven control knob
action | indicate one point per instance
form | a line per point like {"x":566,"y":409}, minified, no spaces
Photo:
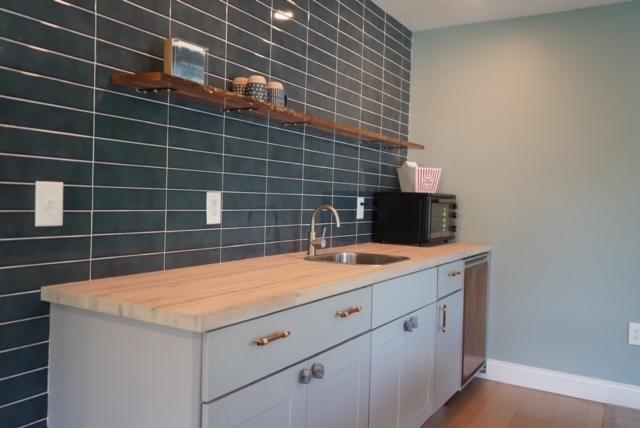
{"x":454,"y":206}
{"x":454,"y":228}
{"x":453,"y":215}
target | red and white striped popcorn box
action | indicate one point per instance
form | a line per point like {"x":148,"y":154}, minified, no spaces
{"x":418,"y":179}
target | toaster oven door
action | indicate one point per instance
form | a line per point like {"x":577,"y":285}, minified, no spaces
{"x":442,"y":219}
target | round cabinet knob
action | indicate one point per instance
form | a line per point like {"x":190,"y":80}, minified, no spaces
{"x":411,"y":324}
{"x":408,"y":325}
{"x":414,"y":322}
{"x":317,"y":370}
{"x":305,"y":376}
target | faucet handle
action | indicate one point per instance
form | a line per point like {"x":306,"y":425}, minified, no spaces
{"x":323,"y":242}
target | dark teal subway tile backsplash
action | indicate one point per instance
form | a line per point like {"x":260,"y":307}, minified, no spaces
{"x":136,"y":166}
{"x":31,"y":411}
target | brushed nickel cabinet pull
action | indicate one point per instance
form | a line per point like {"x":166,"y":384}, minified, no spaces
{"x":456,"y":273}
{"x":444,"y":319}
{"x":263,"y":341}
{"x":348,"y":312}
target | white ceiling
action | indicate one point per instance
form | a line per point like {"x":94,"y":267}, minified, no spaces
{"x":427,"y":14}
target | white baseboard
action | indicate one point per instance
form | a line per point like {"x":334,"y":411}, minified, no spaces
{"x":587,"y":388}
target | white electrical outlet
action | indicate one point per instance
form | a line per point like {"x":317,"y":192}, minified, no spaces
{"x":360,"y":208}
{"x":634,"y":333}
{"x":214,"y":207}
{"x":49,"y":203}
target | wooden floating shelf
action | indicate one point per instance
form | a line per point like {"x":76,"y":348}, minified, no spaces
{"x":216,"y":97}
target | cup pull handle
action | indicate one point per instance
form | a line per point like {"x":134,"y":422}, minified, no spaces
{"x":456,"y":273}
{"x":348,"y":312}
{"x":263,"y":341}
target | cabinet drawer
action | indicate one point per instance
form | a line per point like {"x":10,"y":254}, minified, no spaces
{"x":399,"y":296}
{"x":232,"y":358}
{"x":450,"y":278}
{"x":338,"y":398}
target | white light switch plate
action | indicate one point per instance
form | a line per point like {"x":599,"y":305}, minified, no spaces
{"x":634,"y":333}
{"x":49,"y":203}
{"x":360,"y":208}
{"x":214,"y":207}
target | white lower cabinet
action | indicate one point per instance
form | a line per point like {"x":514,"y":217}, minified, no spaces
{"x":402,"y":367}
{"x":329,"y":390}
{"x":352,"y":360}
{"x":448,"y":364}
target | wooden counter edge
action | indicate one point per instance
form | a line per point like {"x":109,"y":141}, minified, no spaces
{"x":55,"y":294}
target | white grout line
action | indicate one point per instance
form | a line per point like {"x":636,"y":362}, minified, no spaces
{"x":23,"y":320}
{"x":18,"y":348}
{"x":19,"y":293}
{"x":23,"y":373}
{"x":46,"y":23}
{"x":30,"y":424}
{"x":160,"y":36}
{"x":22,"y":400}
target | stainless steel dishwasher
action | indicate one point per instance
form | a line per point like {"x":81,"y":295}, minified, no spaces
{"x":476,"y":282}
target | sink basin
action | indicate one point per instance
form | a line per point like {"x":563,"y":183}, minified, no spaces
{"x":356,"y":258}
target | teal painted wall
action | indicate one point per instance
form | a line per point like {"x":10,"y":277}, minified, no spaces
{"x":536,"y":122}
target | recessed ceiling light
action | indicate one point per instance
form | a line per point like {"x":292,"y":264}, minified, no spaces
{"x":282,"y":15}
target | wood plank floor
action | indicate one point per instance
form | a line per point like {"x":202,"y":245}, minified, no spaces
{"x":486,"y":404}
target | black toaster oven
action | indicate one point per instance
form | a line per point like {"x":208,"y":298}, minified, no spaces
{"x":415,"y":218}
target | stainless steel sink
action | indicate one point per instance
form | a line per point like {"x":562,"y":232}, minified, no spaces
{"x":356,"y":258}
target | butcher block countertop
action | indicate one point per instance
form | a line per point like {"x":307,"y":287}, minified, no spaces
{"x":207,"y":297}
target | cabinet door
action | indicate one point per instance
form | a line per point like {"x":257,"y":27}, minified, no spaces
{"x":340,"y":398}
{"x":276,"y":402}
{"x":388,"y":367}
{"x":418,"y":391}
{"x":448,"y":348}
{"x":402,"y":366}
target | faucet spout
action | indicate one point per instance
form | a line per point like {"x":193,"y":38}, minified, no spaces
{"x":329,"y":208}
{"x":314,"y":242}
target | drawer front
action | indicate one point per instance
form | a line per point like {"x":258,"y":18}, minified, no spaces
{"x":399,"y":296}
{"x":231,"y":358}
{"x":450,"y":278}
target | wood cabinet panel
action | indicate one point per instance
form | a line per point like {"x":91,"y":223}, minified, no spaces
{"x":475,"y":320}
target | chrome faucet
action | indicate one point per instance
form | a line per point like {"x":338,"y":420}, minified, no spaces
{"x":315,"y":243}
